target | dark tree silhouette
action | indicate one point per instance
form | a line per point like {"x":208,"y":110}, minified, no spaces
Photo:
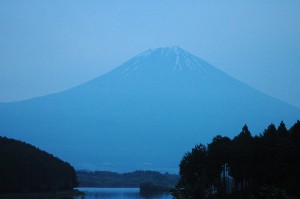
{"x":282,"y":131}
{"x":193,"y":179}
{"x":219,"y":152}
{"x":241,"y":159}
{"x":267,"y":165}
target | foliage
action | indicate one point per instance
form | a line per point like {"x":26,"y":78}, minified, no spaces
{"x":192,"y":173}
{"x":262,"y":166}
{"x":25,"y":168}
{"x":267,"y":192}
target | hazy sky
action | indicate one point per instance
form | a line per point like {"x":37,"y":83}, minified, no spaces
{"x":49,"y":46}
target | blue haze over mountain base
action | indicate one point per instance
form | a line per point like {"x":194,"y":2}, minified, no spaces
{"x":145,"y":114}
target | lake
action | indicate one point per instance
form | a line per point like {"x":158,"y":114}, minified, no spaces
{"x":117,"y":193}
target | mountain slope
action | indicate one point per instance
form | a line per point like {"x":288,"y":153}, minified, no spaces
{"x":145,"y":114}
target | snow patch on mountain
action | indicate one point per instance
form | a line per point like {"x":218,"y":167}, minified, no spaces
{"x":173,"y":59}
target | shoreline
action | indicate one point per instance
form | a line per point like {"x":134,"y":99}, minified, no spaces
{"x":42,"y":195}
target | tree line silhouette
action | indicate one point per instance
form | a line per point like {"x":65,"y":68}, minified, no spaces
{"x":263,"y":166}
{"x":25,"y":168}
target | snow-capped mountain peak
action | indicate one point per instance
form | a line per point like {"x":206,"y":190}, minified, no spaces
{"x":167,"y":59}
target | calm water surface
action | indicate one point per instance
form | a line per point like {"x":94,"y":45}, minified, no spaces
{"x":118,"y":193}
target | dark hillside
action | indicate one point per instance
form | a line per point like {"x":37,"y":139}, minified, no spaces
{"x":25,"y":168}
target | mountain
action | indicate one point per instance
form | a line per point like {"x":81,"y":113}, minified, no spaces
{"x":145,"y":114}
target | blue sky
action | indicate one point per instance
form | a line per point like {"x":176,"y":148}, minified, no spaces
{"x":50,"y":46}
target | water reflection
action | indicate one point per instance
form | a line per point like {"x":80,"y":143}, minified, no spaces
{"x":118,"y":193}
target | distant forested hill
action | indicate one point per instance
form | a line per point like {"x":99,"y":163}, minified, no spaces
{"x":25,"y":168}
{"x":131,"y":179}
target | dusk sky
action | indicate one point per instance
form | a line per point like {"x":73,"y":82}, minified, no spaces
{"x":50,"y":46}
